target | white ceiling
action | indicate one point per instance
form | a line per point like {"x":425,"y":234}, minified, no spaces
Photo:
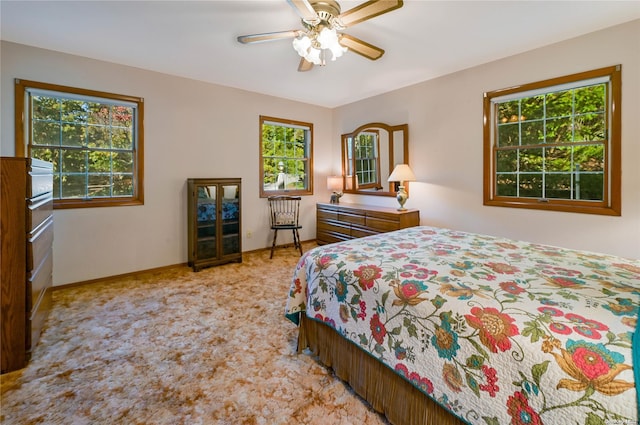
{"x":197,"y":39}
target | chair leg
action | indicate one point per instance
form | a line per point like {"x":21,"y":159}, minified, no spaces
{"x":296,"y":236}
{"x":273,"y":245}
{"x":295,"y":239}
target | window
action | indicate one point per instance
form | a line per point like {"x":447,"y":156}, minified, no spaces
{"x":93,"y":139}
{"x":366,"y":148}
{"x":555,"y":144}
{"x":285,"y":157}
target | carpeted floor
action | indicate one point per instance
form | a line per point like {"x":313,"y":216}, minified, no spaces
{"x":179,"y":347}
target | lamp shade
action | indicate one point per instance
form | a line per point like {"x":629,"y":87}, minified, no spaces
{"x":402,"y":173}
{"x":334,"y":183}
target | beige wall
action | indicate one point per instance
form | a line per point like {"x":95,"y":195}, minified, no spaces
{"x":445,"y":131}
{"x":192,"y":129}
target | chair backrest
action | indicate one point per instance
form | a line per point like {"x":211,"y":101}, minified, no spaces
{"x":284,"y":210}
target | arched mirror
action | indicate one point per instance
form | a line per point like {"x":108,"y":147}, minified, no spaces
{"x":370,"y":153}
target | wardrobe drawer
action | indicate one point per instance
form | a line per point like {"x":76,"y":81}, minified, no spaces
{"x":39,"y":243}
{"x":38,"y":210}
{"x":38,"y":280}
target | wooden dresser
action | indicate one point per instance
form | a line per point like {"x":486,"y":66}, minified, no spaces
{"x":341,"y":222}
{"x":26,"y":260}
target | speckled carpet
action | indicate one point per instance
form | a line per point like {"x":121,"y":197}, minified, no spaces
{"x":178,"y":347}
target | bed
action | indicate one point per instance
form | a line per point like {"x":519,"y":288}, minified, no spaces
{"x":437,"y":326}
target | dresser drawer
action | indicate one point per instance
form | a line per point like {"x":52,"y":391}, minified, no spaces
{"x":329,"y":226}
{"x":38,"y":210}
{"x":358,"y":232}
{"x":39,"y":243}
{"x":39,"y":279}
{"x":39,"y":315}
{"x":356,"y":218}
{"x":323,"y":237}
{"x":39,"y":184}
{"x":382,"y":225}
{"x":326,"y":215}
{"x":328,"y":207}
{"x":383,"y":215}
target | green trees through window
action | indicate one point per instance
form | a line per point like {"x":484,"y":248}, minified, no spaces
{"x":94,"y":143}
{"x":285,"y":156}
{"x":564,"y":135}
{"x":554,"y":144}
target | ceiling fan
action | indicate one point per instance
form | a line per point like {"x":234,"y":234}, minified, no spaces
{"x":321,"y":20}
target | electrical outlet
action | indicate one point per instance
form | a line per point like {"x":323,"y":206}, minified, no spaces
{"x":249,"y":233}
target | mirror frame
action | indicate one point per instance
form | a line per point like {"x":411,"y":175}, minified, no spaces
{"x":391,"y":129}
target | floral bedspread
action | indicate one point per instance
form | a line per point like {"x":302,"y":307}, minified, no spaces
{"x":496,"y":331}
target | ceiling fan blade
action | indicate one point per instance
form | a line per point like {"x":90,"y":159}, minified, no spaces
{"x":305,"y":10}
{"x":268,"y":36}
{"x":360,"y":47}
{"x":368,"y":10}
{"x":305,"y":65}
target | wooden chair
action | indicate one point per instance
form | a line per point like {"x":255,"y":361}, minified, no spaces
{"x":284,"y":214}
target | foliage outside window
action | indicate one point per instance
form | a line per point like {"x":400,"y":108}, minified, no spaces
{"x":367,"y":163}
{"x":93,"y":139}
{"x":286,"y":163}
{"x":555,"y":144}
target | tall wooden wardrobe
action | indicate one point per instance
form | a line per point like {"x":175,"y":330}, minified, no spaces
{"x":26,"y":260}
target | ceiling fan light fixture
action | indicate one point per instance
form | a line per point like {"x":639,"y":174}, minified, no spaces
{"x":328,"y":39}
{"x":314,"y":56}
{"x":337,"y":50}
{"x":312,"y":45}
{"x":302,"y":44}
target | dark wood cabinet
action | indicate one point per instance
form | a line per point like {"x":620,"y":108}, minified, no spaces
{"x":26,"y":258}
{"x":341,"y":222}
{"x":214,"y":225}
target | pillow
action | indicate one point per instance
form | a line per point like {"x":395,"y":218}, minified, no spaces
{"x":285,"y":219}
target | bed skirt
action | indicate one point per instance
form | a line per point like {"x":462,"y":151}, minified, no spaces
{"x":386,"y":391}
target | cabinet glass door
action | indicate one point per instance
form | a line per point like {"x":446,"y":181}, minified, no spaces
{"x":230,"y":219}
{"x":206,"y":222}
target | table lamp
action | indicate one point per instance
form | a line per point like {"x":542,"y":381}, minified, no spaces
{"x":402,"y":173}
